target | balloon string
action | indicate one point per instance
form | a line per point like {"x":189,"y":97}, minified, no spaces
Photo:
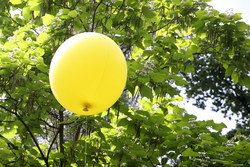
{"x":86,"y":131}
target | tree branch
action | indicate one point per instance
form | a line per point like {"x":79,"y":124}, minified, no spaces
{"x":61,"y":136}
{"x":171,"y":21}
{"x":34,"y":139}
{"x":9,"y":95}
{"x":10,"y":145}
{"x":150,"y":161}
{"x":51,"y":126}
{"x":31,"y":134}
{"x":54,"y":139}
{"x":7,"y":109}
{"x":120,"y":159}
{"x":123,"y":2}
{"x":86,"y":30}
{"x":93,"y":20}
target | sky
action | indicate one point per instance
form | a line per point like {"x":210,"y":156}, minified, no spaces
{"x":238,"y":6}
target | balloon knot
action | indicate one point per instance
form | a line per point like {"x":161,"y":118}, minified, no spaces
{"x":86,"y":107}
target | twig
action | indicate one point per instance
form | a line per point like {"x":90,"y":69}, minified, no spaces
{"x":120,"y":159}
{"x":34,"y":139}
{"x":93,"y":20}
{"x":7,"y":121}
{"x":10,"y":145}
{"x":7,"y":109}
{"x":83,"y":26}
{"x":61,"y":136}
{"x":171,"y":21}
{"x":54,"y":139}
{"x":86,"y":134}
{"x":31,"y":134}
{"x":51,"y":126}
{"x":150,"y":161}
{"x":16,"y":102}
{"x":123,"y":2}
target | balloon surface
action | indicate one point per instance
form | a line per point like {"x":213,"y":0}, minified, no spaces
{"x":88,"y":73}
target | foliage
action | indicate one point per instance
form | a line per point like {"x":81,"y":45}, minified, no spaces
{"x":210,"y":81}
{"x":222,"y":69}
{"x":161,"y":40}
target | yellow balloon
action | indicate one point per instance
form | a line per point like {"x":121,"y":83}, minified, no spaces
{"x":88,"y":73}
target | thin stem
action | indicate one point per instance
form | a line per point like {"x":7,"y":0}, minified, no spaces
{"x":54,"y":139}
{"x":120,"y":159}
{"x":61,"y":136}
{"x":95,"y":9}
{"x":34,"y":139}
{"x":171,"y":21}
{"x":86,"y":134}
{"x":150,"y":161}
{"x":31,"y":134}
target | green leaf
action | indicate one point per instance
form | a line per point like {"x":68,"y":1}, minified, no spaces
{"x":48,"y":19}
{"x":178,"y":110}
{"x":5,"y":59}
{"x":219,"y":126}
{"x":5,"y":152}
{"x":247,"y":82}
{"x":109,"y":24}
{"x":9,"y":133}
{"x":235,"y":77}
{"x":73,"y":165}
{"x":26,"y":13}
{"x":179,"y":81}
{"x":33,"y":151}
{"x":39,"y":52}
{"x":67,"y":122}
{"x":2,"y":142}
{"x":164,"y":160}
{"x":193,"y":48}
{"x":57,"y":155}
{"x":201,"y":13}
{"x":148,"y":53}
{"x":147,"y":12}
{"x":146,"y":92}
{"x":242,"y":26}
{"x":170,"y":117}
{"x":37,"y":13}
{"x":189,"y":68}
{"x":16,"y":2}
{"x":34,"y":5}
{"x":157,"y":118}
{"x":27,"y":61}
{"x":141,"y":112}
{"x":227,"y":163}
{"x":229,"y":71}
{"x":72,"y":13}
{"x":158,"y":77}
{"x":236,"y":16}
{"x":206,"y":137}
{"x":123,"y":122}
{"x":177,"y":2}
{"x":138,"y":151}
{"x":190,"y":153}
{"x":65,"y":11}
{"x":42,"y":38}
{"x":188,"y":3}
{"x":42,"y":67}
{"x":43,"y":146}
